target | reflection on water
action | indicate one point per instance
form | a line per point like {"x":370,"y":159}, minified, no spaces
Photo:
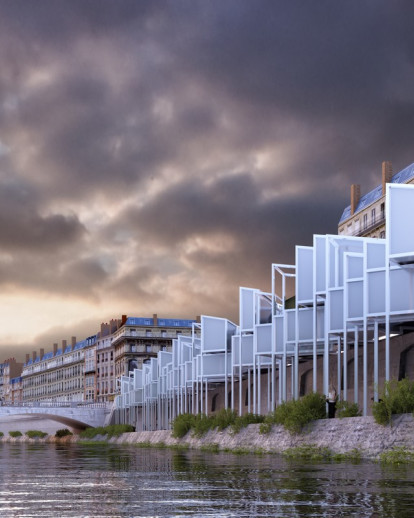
{"x":109,"y":481}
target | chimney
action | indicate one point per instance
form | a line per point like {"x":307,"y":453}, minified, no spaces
{"x":124,"y":319}
{"x":355,"y":195}
{"x":104,"y":329}
{"x":155,"y":318}
{"x":113,"y":325}
{"x":64,"y":344}
{"x":34,"y":355}
{"x":73,"y":341}
{"x":27,"y":358}
{"x":41,"y":353}
{"x":386,"y":175}
{"x":55,"y":348}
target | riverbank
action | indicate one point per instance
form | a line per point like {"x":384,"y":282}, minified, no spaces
{"x":340,"y":436}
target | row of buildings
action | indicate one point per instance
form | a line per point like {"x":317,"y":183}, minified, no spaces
{"x":88,"y":370}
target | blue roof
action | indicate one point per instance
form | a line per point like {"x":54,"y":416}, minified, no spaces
{"x":401,"y":177}
{"x":174,"y":322}
{"x":164,"y":322}
{"x":133,"y":321}
{"x":80,"y":345}
{"x":48,"y":356}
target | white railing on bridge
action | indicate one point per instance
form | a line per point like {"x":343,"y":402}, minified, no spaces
{"x":58,"y":404}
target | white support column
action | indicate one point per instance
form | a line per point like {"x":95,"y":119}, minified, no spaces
{"x":315,"y":341}
{"x":226,"y":381}
{"x":356,"y":364}
{"x":345,"y":365}
{"x":376,"y":361}
{"x":259,"y":387}
{"x":248,"y":391}
{"x":254,"y":385}
{"x":240,"y":382}
{"x":365,"y":369}
{"x":339,"y":384}
{"x":269,"y":380}
{"x":280,"y":380}
{"x":206,"y":388}
{"x":273,"y":374}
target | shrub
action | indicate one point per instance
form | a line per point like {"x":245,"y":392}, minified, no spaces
{"x":347,"y":409}
{"x":113,"y":430}
{"x":294,"y":415}
{"x":1,"y":434}
{"x":396,"y":398}
{"x":33,"y":434}
{"x":399,"y":455}
{"x":202,"y":424}
{"x":181,"y":425}
{"x":265,"y":427}
{"x":308,"y":452}
{"x":245,"y":420}
{"x":15,"y":433}
{"x":223,"y":419}
{"x":63,"y":432}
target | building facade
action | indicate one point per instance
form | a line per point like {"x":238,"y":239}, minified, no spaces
{"x":365,"y":215}
{"x":10,"y":369}
{"x":58,"y":375}
{"x":140,"y":339}
{"x":87,"y":370}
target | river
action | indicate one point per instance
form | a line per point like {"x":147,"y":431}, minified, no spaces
{"x":75,"y":480}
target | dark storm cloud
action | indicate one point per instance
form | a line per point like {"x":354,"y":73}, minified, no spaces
{"x":23,"y":228}
{"x":234,"y":208}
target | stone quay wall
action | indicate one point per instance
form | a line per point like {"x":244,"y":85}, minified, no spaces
{"x":339,"y":435}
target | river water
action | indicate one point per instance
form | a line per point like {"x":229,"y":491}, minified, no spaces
{"x":74,"y":480}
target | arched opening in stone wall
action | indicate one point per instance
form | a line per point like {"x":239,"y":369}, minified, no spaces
{"x":406,"y":369}
{"x":305,"y":383}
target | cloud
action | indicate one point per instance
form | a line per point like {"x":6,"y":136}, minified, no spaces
{"x":156,"y":155}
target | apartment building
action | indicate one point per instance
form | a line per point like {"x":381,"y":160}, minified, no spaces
{"x":365,"y":215}
{"x":140,"y":339}
{"x":10,"y":369}
{"x":58,"y":375}
{"x":16,"y":390}
{"x":105,"y":386}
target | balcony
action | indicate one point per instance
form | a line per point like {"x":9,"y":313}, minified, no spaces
{"x":364,"y":230}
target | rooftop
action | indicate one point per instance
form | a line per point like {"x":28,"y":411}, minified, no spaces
{"x":402,"y":177}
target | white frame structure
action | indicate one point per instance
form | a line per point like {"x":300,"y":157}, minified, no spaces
{"x":347,"y":290}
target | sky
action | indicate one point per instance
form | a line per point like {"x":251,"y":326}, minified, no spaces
{"x":157,"y":155}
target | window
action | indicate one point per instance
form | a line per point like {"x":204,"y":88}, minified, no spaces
{"x":382,"y":210}
{"x":373,"y":215}
{"x":365,"y":221}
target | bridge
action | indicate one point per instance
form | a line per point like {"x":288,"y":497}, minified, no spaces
{"x":77,"y":415}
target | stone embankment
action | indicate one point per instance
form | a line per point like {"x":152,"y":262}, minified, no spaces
{"x":339,"y":435}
